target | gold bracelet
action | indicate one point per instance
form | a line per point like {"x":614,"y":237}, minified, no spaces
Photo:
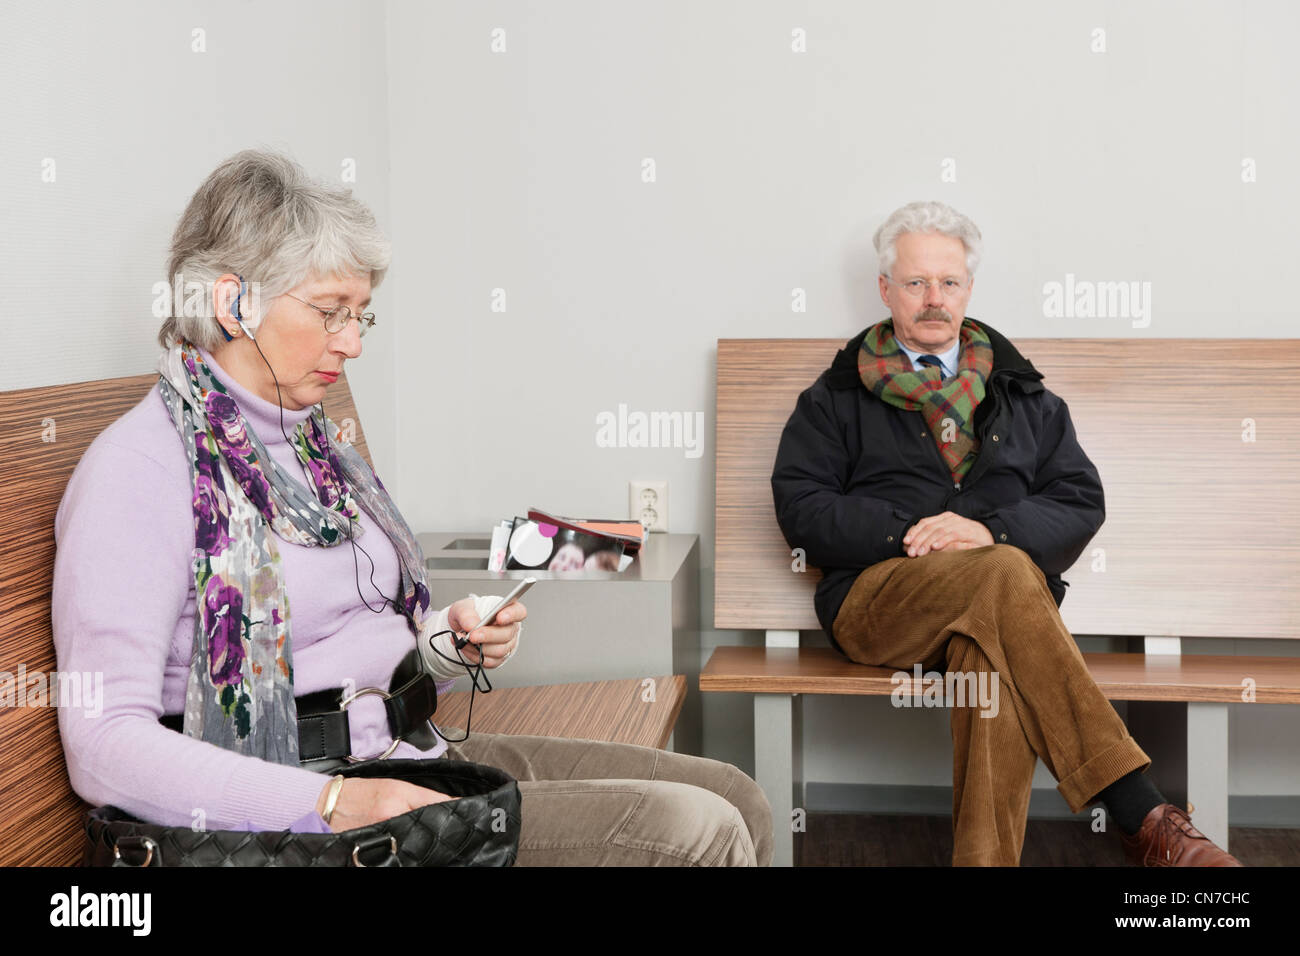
{"x":336,"y":787}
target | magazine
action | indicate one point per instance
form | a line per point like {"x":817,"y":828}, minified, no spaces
{"x":627,"y":530}
{"x":539,"y":545}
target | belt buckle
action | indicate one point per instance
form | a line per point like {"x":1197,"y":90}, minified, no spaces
{"x":343,"y":705}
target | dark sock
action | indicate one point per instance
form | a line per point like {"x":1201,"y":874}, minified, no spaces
{"x":1129,"y":799}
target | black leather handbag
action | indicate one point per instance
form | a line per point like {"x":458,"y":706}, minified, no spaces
{"x":479,"y":828}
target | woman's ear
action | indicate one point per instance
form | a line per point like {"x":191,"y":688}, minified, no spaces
{"x":226,"y":295}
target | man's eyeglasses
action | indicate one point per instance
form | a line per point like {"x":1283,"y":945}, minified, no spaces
{"x":916,"y":288}
{"x":337,"y":318}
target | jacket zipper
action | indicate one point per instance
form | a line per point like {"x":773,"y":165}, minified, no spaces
{"x":981,"y":459}
{"x":943,"y":464}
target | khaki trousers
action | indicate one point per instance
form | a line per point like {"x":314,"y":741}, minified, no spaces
{"x":989,"y":611}
{"x":588,"y":803}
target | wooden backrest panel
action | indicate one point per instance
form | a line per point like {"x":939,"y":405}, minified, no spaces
{"x":40,"y":816}
{"x":1198,"y":453}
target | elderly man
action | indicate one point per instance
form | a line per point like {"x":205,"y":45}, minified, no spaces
{"x":943,"y":492}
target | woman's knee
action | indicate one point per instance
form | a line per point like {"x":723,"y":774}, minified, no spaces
{"x":690,"y":825}
{"x":748,"y":797}
{"x":697,"y":826}
{"x":631,"y":823}
{"x":730,"y":783}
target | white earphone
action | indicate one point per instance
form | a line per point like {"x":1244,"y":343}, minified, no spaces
{"x":234,"y":309}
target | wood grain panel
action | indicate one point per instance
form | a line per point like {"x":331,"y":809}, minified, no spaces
{"x":1202,"y":535}
{"x":609,"y":710}
{"x":1189,"y":677}
{"x":40,"y":816}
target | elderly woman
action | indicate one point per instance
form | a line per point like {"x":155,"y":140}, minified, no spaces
{"x":229,"y":563}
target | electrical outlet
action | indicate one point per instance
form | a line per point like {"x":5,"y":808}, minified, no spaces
{"x":647,"y":501}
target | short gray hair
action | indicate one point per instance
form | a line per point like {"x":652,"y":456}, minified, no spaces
{"x":260,"y":216}
{"x":933,"y":217}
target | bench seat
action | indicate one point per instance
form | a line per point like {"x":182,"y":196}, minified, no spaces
{"x":1210,"y":678}
{"x":609,"y":710}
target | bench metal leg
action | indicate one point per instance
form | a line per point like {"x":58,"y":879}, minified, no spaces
{"x":1207,"y":769}
{"x":1188,"y":747}
{"x":778,"y":765}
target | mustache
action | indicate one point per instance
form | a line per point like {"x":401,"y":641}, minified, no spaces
{"x":933,"y":314}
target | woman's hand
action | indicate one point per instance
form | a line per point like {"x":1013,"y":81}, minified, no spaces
{"x":363,"y":801}
{"x":495,"y":643}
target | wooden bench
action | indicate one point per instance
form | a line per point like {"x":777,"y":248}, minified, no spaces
{"x":1201,"y":540}
{"x":612,"y":710}
{"x":43,"y":434}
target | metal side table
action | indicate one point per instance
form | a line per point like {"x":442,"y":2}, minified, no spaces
{"x":592,"y":625}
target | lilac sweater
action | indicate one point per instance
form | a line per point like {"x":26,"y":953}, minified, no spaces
{"x":124,"y":606}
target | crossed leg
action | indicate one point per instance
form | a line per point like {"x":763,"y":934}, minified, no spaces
{"x":989,"y":611}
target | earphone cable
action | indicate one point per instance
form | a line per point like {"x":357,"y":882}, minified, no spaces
{"x":474,"y":671}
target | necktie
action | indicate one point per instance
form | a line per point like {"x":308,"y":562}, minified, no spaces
{"x":932,"y":361}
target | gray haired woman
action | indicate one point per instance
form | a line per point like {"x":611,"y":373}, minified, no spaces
{"x":179,"y":563}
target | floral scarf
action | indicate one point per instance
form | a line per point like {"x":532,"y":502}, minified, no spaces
{"x":240,"y":690}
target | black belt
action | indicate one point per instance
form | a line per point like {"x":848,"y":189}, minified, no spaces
{"x":324,"y":734}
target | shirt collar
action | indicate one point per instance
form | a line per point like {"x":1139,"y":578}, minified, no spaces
{"x":947,"y":359}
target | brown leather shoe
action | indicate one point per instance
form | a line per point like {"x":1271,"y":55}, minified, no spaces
{"x":1167,"y":838}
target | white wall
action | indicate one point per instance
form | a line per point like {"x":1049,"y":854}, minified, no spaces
{"x":134,"y":118}
{"x":522,"y":170}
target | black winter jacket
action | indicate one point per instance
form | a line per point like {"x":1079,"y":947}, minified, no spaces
{"x":853,"y":473}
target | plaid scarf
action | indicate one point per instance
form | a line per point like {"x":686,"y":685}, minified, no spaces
{"x":240,"y":692}
{"x":948,"y":407}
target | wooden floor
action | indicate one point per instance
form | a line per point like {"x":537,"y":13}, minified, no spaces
{"x":854,"y":839}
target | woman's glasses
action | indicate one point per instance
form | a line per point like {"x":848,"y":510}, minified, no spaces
{"x":337,"y":318}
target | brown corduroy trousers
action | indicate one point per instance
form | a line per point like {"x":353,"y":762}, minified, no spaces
{"x":989,"y":611}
